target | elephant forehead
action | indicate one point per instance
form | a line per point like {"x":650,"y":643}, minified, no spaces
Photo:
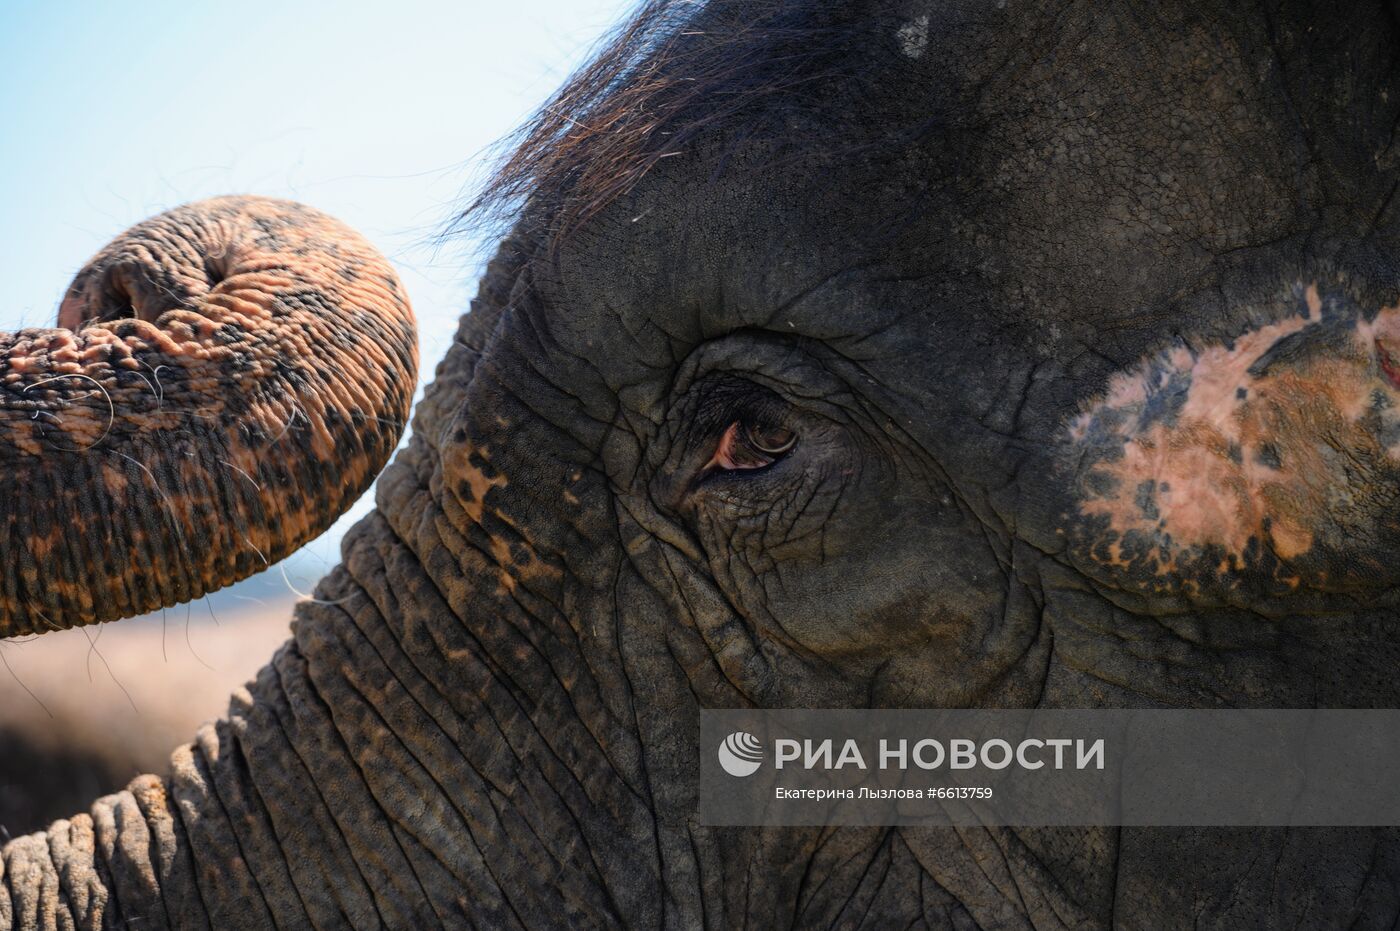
{"x":1060,"y":176}
{"x":677,"y":263}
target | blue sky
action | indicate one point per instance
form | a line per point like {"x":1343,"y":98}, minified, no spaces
{"x":377,"y":113}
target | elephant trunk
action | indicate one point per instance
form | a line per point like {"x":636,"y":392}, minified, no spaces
{"x":225,"y":380}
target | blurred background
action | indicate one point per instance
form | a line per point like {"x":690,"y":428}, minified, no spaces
{"x":381,"y":115}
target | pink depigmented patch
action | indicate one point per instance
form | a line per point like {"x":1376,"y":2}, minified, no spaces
{"x":1241,"y":456}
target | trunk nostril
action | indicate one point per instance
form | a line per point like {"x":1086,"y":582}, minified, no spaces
{"x":116,"y":304}
{"x":145,"y":288}
{"x":215,"y":269}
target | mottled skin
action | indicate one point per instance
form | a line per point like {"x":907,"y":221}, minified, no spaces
{"x":224,"y":381}
{"x":941,"y":260}
{"x":1235,"y":469}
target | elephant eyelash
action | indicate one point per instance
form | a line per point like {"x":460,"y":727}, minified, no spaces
{"x":743,"y":428}
{"x":750,"y":445}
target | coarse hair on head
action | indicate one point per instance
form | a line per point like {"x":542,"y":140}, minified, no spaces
{"x":668,"y":74}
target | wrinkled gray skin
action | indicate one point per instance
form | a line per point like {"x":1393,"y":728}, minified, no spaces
{"x":491,"y":721}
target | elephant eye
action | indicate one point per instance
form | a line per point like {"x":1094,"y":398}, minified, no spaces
{"x":751,"y":445}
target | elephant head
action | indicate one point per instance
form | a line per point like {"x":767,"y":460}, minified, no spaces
{"x":881,"y":354}
{"x":224,"y":381}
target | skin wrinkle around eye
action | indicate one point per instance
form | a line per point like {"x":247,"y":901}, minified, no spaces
{"x":791,"y":547}
{"x":689,"y":435}
{"x":785,"y":494}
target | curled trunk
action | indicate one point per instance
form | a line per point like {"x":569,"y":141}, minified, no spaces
{"x":225,"y":379}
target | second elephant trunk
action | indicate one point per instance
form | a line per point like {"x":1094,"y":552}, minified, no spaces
{"x":227,"y":378}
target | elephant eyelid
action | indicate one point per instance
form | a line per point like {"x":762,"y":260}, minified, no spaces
{"x":750,"y":445}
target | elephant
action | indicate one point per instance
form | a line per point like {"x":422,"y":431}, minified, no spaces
{"x":864,"y":354}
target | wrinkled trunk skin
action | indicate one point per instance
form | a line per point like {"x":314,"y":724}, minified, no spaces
{"x":224,"y":381}
{"x":358,"y":782}
{"x":362,"y":780}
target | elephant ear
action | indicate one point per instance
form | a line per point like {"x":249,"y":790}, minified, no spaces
{"x":225,"y":380}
